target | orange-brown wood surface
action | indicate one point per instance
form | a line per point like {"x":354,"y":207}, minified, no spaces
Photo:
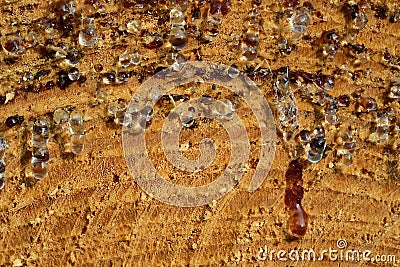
{"x":90,"y":212}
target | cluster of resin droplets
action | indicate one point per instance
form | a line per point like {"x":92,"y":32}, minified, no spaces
{"x":310,"y":145}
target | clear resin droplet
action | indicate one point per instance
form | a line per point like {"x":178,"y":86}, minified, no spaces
{"x":233,"y":72}
{"x":144,"y":122}
{"x":74,"y":74}
{"x":124,"y":60}
{"x":249,"y":53}
{"x":224,"y":108}
{"x":77,"y":132}
{"x":40,"y":152}
{"x":176,"y":17}
{"x":2,"y":147}
{"x":313,"y":155}
{"x":395,"y":90}
{"x":136,"y":58}
{"x":360,"y":21}
{"x":187,"y":117}
{"x":119,"y":117}
{"x":347,"y":159}
{"x":40,"y":169}
{"x":178,"y":37}
{"x":88,"y":34}
{"x":331,"y":117}
{"x":299,"y":21}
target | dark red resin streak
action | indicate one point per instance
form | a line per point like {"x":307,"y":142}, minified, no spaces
{"x":298,"y":219}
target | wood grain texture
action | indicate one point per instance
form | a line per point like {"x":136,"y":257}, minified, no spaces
{"x":89,"y":211}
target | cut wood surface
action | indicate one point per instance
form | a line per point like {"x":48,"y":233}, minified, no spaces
{"x":90,"y":212}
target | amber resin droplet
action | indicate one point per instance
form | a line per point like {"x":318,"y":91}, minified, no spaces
{"x":298,"y":221}
{"x":298,"y":218}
